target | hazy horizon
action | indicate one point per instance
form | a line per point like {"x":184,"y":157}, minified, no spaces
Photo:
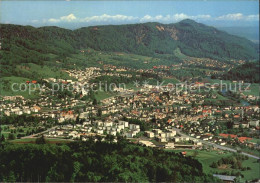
{"x":75,"y":14}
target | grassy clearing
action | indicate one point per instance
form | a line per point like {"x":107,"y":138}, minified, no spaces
{"x":98,"y":59}
{"x":101,"y":95}
{"x":170,"y":80}
{"x":28,"y":140}
{"x":132,"y":86}
{"x":16,"y":130}
{"x":254,"y":140}
{"x":208,"y":157}
{"x":177,"y":52}
{"x":31,"y":72}
{"x":6,"y":87}
{"x":254,"y":90}
{"x":42,"y":71}
{"x":255,"y":169}
{"x":251,"y":151}
{"x":48,"y":140}
{"x":218,"y":81}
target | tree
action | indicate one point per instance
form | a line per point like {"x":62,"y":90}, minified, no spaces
{"x":95,"y":101}
{"x":11,"y":136}
{"x":195,"y":153}
{"x":99,"y":138}
{"x":2,"y":138}
{"x":40,"y":140}
{"x":99,"y":112}
{"x":109,"y":138}
{"x":11,"y":177}
{"x":238,"y":179}
{"x":214,"y":165}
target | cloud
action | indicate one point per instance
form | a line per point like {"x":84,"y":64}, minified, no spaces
{"x":108,"y":18}
{"x":69,"y":18}
{"x":253,"y":17}
{"x":35,"y":21}
{"x":181,"y":16}
{"x":105,"y":18}
{"x":53,"y":20}
{"x":146,"y":18}
{"x":173,"y":18}
{"x":203,"y":17}
{"x":238,"y":16}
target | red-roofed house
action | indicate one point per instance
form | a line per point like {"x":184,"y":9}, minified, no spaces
{"x":236,"y":116}
{"x":184,"y":153}
{"x":227,"y":135}
{"x":243,"y":139}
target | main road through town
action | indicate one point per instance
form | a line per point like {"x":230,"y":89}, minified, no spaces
{"x":214,"y":145}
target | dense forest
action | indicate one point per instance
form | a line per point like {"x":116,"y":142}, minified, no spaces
{"x":26,"y":44}
{"x":248,"y":72}
{"x":96,"y":161}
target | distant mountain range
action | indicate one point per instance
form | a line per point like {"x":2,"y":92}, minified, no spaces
{"x":251,"y":33}
{"x":24,"y":44}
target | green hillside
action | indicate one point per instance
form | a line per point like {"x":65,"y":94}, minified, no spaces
{"x":204,"y":41}
{"x":46,"y":45}
{"x":193,"y":39}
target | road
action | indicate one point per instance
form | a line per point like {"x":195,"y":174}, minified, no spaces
{"x":40,"y":133}
{"x":214,"y":145}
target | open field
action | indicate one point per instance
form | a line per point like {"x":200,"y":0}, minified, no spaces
{"x":132,"y":86}
{"x":7,"y":129}
{"x":255,"y":169}
{"x":39,"y":72}
{"x":177,"y":52}
{"x":218,"y":81}
{"x":208,"y":157}
{"x":170,"y":80}
{"x":255,"y":140}
{"x":48,"y":140}
{"x":30,"y":72}
{"x":100,"y":95}
{"x":92,"y":58}
{"x":254,"y":90}
{"x":6,"y":87}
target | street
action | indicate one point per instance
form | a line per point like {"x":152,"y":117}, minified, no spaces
{"x":214,"y":145}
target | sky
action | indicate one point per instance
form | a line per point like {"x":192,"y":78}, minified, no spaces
{"x":74,"y":14}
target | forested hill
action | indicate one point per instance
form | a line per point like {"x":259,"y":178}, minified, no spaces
{"x":96,"y":162}
{"x":28,"y":44}
{"x":248,"y":72}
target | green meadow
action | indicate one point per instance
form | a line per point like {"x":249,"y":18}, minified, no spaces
{"x":19,"y":87}
{"x":253,"y":90}
{"x":101,"y":95}
{"x":208,"y":157}
{"x":38,"y":72}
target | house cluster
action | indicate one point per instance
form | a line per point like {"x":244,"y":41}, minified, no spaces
{"x":206,"y":62}
{"x":167,"y":109}
{"x":17,"y":105}
{"x":93,"y":128}
{"x":177,"y":110}
{"x":89,"y":73}
{"x":161,"y":136}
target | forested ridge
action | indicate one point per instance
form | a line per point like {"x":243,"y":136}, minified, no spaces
{"x":96,"y":161}
{"x":248,"y":72}
{"x":26,"y":44}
